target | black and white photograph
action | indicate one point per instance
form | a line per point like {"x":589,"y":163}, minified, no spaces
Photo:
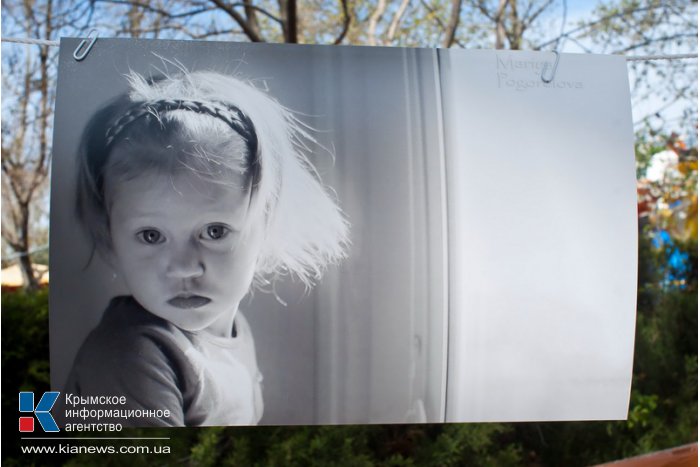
{"x":250,"y":234}
{"x":363,"y":233}
{"x":257,"y":234}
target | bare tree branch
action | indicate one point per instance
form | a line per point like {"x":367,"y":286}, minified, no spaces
{"x":160,"y":11}
{"x":250,"y":12}
{"x":592,"y":24}
{"x":648,"y":41}
{"x":431,"y":10}
{"x":346,"y":23}
{"x":515,"y":34}
{"x":230,"y":11}
{"x":292,"y":22}
{"x":529,"y":18}
{"x":452,"y":24}
{"x":481,"y":6}
{"x":374,"y":20}
{"x":500,"y":26}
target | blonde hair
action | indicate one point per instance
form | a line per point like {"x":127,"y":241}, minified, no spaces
{"x":305,"y":229}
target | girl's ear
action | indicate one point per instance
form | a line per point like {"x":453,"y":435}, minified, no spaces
{"x":110,"y":260}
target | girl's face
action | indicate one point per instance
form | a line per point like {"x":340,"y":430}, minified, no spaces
{"x":182,"y":247}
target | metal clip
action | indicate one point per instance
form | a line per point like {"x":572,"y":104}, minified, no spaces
{"x":84,"y":47}
{"x":550,"y":78}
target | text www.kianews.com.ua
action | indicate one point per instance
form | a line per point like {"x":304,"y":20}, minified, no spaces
{"x":69,"y":448}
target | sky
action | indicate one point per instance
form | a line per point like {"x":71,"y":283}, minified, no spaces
{"x":581,"y":10}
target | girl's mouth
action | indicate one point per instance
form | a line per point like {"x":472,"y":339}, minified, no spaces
{"x":188,"y":301}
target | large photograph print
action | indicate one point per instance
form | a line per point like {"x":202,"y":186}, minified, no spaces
{"x":248,"y":234}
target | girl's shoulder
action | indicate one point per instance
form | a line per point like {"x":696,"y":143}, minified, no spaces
{"x":125,"y":311}
{"x":135,"y":354}
{"x":127,"y":329}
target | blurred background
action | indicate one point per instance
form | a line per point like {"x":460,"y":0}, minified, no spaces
{"x":663,"y":408}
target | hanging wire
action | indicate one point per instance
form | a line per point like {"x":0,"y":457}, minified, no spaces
{"x":42,"y":42}
{"x":661,"y":57}
{"x":31,"y":41}
{"x":632,"y":58}
{"x":19,"y":254}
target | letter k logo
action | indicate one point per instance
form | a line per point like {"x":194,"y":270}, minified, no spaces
{"x":42,"y":411}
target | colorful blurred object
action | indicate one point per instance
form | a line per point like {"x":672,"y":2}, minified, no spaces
{"x":682,"y":456}
{"x":668,"y":188}
{"x":12,"y":276}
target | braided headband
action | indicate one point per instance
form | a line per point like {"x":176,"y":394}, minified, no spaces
{"x":227,"y":113}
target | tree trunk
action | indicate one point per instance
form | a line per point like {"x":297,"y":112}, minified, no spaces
{"x":30,"y":281}
{"x":25,"y":262}
{"x":500,"y":24}
{"x":516,"y":35}
{"x":292,"y":36}
{"x":452,"y":25}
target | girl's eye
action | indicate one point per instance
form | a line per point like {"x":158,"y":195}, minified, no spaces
{"x":151,"y":236}
{"x":216,"y":232}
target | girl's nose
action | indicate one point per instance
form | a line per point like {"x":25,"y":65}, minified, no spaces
{"x":185,"y":264}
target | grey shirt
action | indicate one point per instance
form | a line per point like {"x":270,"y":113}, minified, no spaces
{"x":199,"y":378}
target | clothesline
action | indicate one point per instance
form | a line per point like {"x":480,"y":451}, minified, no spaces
{"x":17,"y":255}
{"x":632,"y":58}
{"x":18,"y":40}
{"x":42,"y":42}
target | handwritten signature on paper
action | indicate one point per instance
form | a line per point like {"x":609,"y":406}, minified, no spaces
{"x":521,"y":75}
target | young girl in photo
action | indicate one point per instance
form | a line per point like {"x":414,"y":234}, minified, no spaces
{"x":194,"y":188}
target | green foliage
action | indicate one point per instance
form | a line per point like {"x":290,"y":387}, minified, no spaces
{"x":25,"y":360}
{"x":663,"y":412}
{"x":25,"y":340}
{"x":474,"y":444}
{"x":205,"y":452}
{"x":641,"y":410}
{"x":322,"y":446}
{"x":359,"y":446}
